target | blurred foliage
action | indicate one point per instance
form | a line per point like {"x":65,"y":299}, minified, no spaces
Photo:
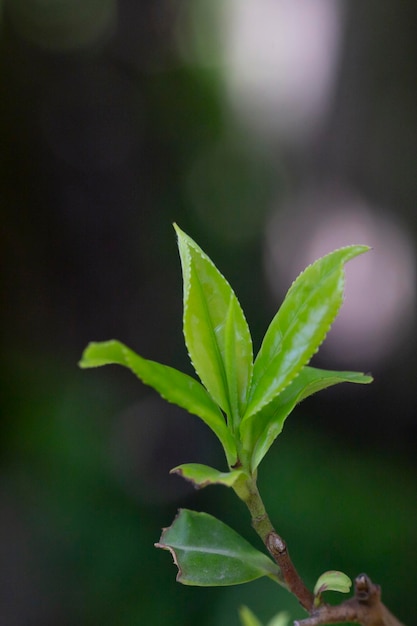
{"x":93,"y":541}
{"x":107,"y":136}
{"x":63,"y":25}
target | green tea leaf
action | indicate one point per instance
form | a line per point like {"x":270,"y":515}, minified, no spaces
{"x":258,"y":432}
{"x":215,"y":329}
{"x":207,"y":552}
{"x":203,"y":475}
{"x":300,"y":326}
{"x":332,"y":581}
{"x":170,"y":383}
{"x":313,"y":379}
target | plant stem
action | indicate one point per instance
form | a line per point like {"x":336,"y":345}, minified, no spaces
{"x":274,"y":543}
{"x":260,"y":518}
{"x":365,"y":607}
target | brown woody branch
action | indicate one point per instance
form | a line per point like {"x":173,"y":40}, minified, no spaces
{"x":278,"y":550}
{"x":364,"y":608}
{"x":248,"y":492}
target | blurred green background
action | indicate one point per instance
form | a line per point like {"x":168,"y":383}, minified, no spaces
{"x":272,"y":132}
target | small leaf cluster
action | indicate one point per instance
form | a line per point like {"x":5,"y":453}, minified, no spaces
{"x":243,"y":400}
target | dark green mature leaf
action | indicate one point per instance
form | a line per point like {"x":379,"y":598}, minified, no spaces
{"x":209,"y":553}
{"x":171,"y":384}
{"x":215,"y":330}
{"x":203,"y":475}
{"x":299,"y":327}
{"x":259,"y":432}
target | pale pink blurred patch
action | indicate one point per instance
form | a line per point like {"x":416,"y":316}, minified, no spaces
{"x":380,"y":285}
{"x":281,"y":58}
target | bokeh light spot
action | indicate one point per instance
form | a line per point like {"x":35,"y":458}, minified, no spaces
{"x":380,"y":285}
{"x":281,"y":60}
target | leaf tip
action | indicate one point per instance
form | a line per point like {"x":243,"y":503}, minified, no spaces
{"x":85,"y":361}
{"x":179,"y":232}
{"x":179,"y":471}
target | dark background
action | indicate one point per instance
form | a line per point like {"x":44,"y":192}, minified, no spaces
{"x":268,"y":148}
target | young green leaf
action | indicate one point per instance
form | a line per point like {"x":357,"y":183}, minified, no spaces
{"x":208,"y":553}
{"x":248,"y":618}
{"x":170,"y":383}
{"x":259,"y":431}
{"x":203,"y":475}
{"x":281,"y":619}
{"x":300,"y":326}
{"x":331,"y":581}
{"x":215,"y":329}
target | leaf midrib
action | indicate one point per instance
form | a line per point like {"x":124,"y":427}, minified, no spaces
{"x":220,"y":363}
{"x":219,"y":551}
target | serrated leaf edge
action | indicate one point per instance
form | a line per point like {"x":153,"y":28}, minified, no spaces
{"x":364,"y":249}
{"x":234,"y":302}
